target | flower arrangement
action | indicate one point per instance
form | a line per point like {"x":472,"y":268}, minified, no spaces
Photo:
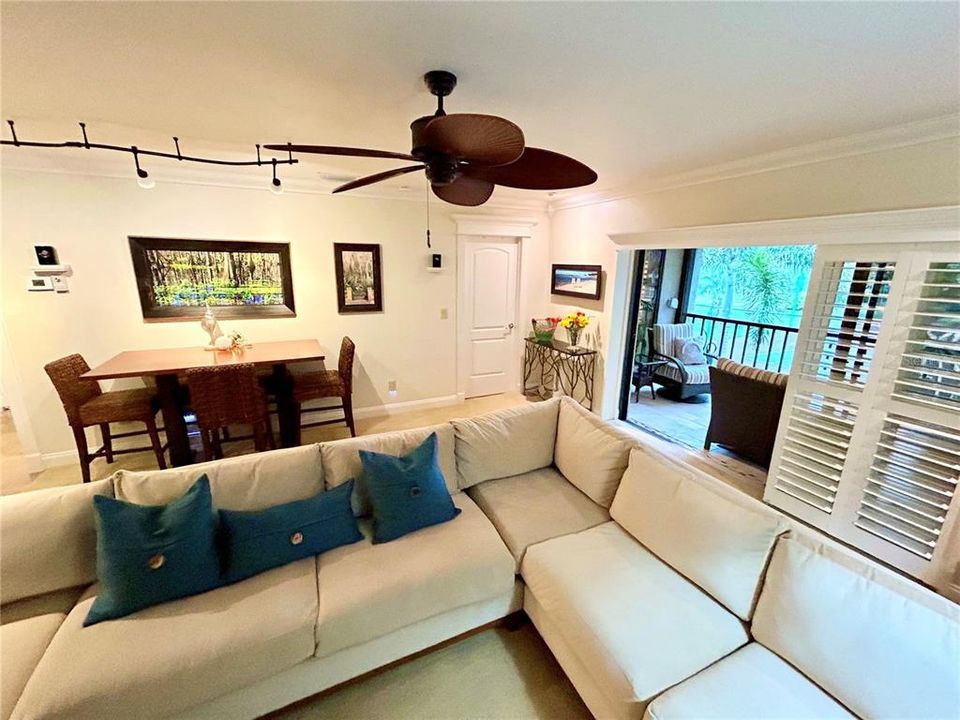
{"x":575,"y":323}
{"x":543,"y":329}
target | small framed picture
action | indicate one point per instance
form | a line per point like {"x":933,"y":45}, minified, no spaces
{"x":581,"y":281}
{"x":359,"y":287}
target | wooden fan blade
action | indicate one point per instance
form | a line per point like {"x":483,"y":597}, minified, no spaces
{"x":370,"y":179}
{"x":478,"y":139}
{"x":536,"y":170}
{"x":464,"y":191}
{"x":334,"y":150}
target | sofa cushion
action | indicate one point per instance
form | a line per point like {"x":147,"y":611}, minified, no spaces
{"x":341,"y":458}
{"x":167,"y":658}
{"x":590,"y":453}
{"x":750,"y":683}
{"x":22,"y":644}
{"x":249,"y":482}
{"x":536,"y":506}
{"x":877,"y":642}
{"x":507,"y":442}
{"x":55,"y":601}
{"x":149,"y":554}
{"x":636,"y":624}
{"x":368,"y":590}
{"x":49,"y":539}
{"x":714,"y":535}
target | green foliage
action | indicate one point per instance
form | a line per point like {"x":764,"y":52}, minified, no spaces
{"x":768,"y":281}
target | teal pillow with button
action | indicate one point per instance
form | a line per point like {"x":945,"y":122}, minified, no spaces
{"x":149,"y":554}
{"x":408,"y":492}
{"x":257,"y":541}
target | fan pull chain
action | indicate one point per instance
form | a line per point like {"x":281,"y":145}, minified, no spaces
{"x":427,"y":185}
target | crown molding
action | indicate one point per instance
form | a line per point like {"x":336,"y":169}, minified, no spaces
{"x":934,"y":224}
{"x":906,"y":135}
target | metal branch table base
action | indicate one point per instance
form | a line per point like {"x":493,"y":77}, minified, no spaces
{"x":562,"y":367}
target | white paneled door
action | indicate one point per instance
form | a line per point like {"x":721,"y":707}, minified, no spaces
{"x":490,"y":355}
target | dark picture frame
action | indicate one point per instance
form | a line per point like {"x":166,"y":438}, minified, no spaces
{"x":564,"y":280}
{"x":154,"y":297}
{"x":359,"y":278}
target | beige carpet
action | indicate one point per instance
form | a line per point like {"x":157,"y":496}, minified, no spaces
{"x":498,"y":673}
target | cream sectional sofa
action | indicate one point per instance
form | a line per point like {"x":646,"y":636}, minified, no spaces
{"x":663,"y":593}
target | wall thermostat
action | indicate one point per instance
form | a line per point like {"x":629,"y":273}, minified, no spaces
{"x":46,"y":254}
{"x":39,"y":284}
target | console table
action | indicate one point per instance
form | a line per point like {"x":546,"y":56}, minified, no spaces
{"x":563,"y":367}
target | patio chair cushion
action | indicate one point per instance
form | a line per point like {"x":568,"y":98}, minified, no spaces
{"x":665,"y":334}
{"x":696,"y":374}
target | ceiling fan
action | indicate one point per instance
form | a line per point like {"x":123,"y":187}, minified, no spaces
{"x":465,"y":154}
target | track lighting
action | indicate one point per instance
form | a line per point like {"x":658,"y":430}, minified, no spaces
{"x":143,"y":177}
{"x":275,"y":186}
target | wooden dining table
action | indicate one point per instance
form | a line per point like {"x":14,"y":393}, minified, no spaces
{"x":165,"y":365}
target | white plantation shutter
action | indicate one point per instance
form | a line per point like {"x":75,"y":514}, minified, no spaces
{"x":868,"y":447}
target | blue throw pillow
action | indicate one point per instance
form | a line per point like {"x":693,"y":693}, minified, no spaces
{"x":407,"y":493}
{"x":149,"y":554}
{"x":257,"y":541}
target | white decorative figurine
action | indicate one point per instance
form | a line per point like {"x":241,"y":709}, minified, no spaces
{"x":212,"y":327}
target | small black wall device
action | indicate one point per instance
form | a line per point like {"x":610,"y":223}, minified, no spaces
{"x":46,"y":254}
{"x":436,"y":260}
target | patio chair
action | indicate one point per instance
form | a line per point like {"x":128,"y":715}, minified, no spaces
{"x":745,"y":409}
{"x":680,"y":381}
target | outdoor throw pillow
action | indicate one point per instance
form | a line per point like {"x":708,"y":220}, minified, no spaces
{"x":149,"y":554}
{"x":257,"y":541}
{"x":407,"y":493}
{"x":689,"y":351}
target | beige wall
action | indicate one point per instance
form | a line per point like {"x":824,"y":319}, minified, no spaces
{"x":89,"y":218}
{"x":925,"y":175}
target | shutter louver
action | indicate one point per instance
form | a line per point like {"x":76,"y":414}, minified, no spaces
{"x":910,"y":484}
{"x":814,"y":449}
{"x":868,"y":444}
{"x":930,"y":364}
{"x":848,"y":310}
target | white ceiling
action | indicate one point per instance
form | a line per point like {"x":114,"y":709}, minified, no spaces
{"x":635,"y":90}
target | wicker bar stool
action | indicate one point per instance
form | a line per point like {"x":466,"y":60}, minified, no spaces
{"x":87,"y":405}
{"x":229,"y":395}
{"x":327,"y":384}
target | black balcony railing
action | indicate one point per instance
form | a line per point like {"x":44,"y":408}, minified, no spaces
{"x":761,"y":345}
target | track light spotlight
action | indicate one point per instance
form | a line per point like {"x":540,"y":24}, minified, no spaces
{"x":275,"y":186}
{"x":143,"y":177}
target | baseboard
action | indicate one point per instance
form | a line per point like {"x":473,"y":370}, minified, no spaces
{"x":35,"y":462}
{"x":406,"y":406}
{"x":54,"y":459}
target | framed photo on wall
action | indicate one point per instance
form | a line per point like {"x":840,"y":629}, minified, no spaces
{"x":580,"y":281}
{"x":359,"y":286}
{"x":178,"y":279}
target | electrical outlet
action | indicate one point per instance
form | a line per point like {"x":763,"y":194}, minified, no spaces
{"x":443,"y":313}
{"x":392,"y":387}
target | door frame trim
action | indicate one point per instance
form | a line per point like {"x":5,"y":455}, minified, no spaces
{"x":519,"y":230}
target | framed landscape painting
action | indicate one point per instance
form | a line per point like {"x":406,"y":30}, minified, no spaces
{"x":178,"y":279}
{"x":581,"y":281}
{"x":359,"y":286}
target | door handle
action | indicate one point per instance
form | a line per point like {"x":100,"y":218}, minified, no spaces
{"x":510,"y":328}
